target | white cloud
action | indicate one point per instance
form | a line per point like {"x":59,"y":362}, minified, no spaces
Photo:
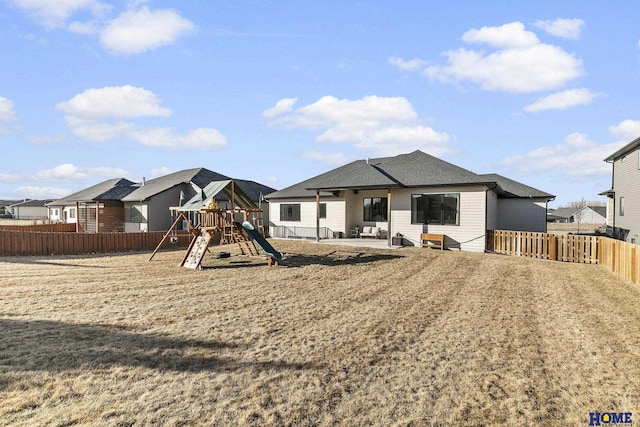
{"x":565,"y":28}
{"x":140,"y":30}
{"x":135,"y":30}
{"x":35,"y":192}
{"x":382,"y":125}
{"x":68,"y":172}
{"x":114,"y":101}
{"x":576,"y":158}
{"x":54,"y":14}
{"x":106,"y":114}
{"x":7,"y":177}
{"x":8,"y":118}
{"x":627,"y":130}
{"x":521,"y":63}
{"x":328,"y":158}
{"x":283,"y":106}
{"x":410,"y":65}
{"x":161,"y":171}
{"x":506,"y":36}
{"x":201,"y":138}
{"x":562,"y":100}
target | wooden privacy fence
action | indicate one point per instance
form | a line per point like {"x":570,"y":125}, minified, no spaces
{"x":620,"y":257}
{"x":53,"y":228}
{"x":14,"y":243}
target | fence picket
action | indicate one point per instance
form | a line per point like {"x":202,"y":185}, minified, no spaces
{"x":24,"y":243}
{"x":620,"y":257}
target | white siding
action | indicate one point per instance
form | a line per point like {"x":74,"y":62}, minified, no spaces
{"x":522,"y":214}
{"x":468,"y":236}
{"x":335,"y":220}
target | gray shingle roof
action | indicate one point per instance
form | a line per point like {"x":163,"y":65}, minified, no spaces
{"x":416,"y":169}
{"x":111,"y":189}
{"x":199,"y":176}
{"x":513,"y":188}
{"x":31,"y":202}
{"x":624,"y":150}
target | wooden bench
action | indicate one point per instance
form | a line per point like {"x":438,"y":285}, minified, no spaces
{"x":432,"y":240}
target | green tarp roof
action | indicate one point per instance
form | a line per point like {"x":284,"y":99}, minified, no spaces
{"x":209,"y":193}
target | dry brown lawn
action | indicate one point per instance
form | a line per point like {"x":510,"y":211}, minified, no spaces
{"x":337,"y":336}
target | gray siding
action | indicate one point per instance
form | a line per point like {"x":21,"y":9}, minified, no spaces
{"x":522,"y":215}
{"x":626,"y":183}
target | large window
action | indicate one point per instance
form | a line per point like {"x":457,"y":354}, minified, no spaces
{"x":375,"y":209}
{"x":441,"y":209}
{"x":137,"y":214}
{"x":290,"y":212}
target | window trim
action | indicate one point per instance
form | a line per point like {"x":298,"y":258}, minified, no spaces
{"x":621,"y":206}
{"x":295,"y":210}
{"x":443,"y":210}
{"x":384,"y":207}
{"x":322,"y":207}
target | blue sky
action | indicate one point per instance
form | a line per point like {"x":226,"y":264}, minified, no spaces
{"x":278,"y":92}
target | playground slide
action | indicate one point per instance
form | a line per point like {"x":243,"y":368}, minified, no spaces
{"x":261,"y":241}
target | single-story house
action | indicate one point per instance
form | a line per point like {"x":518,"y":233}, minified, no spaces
{"x":623,"y":199}
{"x":584,"y":215}
{"x":29,"y":209}
{"x":122,"y":205}
{"x":407,"y":195}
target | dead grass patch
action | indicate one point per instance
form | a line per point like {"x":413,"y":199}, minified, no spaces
{"x":337,"y":336}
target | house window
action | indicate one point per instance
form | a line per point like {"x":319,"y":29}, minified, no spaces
{"x":72,"y":212}
{"x":441,"y":209}
{"x":55,"y":212}
{"x":290,"y":212}
{"x":137,"y":214}
{"x":374,"y":209}
{"x":621,"y":206}
{"x":323,"y":210}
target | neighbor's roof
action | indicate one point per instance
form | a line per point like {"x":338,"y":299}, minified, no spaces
{"x":111,"y":189}
{"x":601,"y":210}
{"x":565,"y":213}
{"x":635,"y":144}
{"x":415,"y":169}
{"x":198,"y":176}
{"x":30,"y":202}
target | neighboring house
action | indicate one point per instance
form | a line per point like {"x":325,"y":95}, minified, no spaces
{"x":30,"y":209}
{"x":623,"y":203}
{"x":584,"y":215}
{"x":407,"y":195}
{"x":5,"y":211}
{"x":97,"y":208}
{"x":591,"y":215}
{"x":122,"y":205}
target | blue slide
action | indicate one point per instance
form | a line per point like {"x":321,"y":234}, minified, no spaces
{"x":261,"y":241}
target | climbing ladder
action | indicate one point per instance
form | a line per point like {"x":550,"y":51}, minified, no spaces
{"x":198,"y":247}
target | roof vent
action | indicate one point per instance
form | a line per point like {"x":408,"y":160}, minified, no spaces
{"x":366,"y":160}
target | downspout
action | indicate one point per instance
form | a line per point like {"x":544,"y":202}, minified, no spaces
{"x":486,"y":211}
{"x":389,"y":217}
{"x":317,"y":215}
